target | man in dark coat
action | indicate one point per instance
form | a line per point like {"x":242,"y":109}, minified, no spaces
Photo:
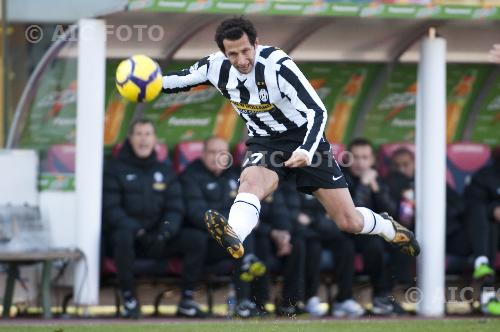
{"x":211,"y":182}
{"x":482,"y":198}
{"x":142,"y":215}
{"x":367,"y":189}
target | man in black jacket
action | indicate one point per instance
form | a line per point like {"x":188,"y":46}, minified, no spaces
{"x":368,"y":190}
{"x":311,"y":226}
{"x":282,"y":248}
{"x":401,"y":184}
{"x":482,"y":197}
{"x":322,"y":234}
{"x":142,"y":214}
{"x":211,"y":182}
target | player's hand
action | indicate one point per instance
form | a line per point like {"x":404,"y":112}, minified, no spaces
{"x":298,"y":159}
{"x":282,"y":240}
{"x":280,"y":236}
{"x":369,"y":177}
{"x":284,"y":250}
{"x":304,"y":219}
{"x":495,"y":53}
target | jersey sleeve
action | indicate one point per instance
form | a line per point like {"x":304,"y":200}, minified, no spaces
{"x":186,"y":79}
{"x":295,"y":86}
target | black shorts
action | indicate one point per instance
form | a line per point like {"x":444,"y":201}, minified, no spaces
{"x":272,"y":152}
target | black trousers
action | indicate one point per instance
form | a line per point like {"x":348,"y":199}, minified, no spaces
{"x":312,"y":267}
{"x":189,"y":243}
{"x":292,"y":269}
{"x":483,"y":232}
{"x":372,"y":248}
{"x":216,"y":254}
{"x":458,"y":243}
{"x":342,"y":248}
{"x":400,"y":267}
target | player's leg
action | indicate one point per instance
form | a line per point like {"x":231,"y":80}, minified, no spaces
{"x":256,"y":183}
{"x":326,"y":181}
{"x":258,"y":179}
{"x":359,"y":220}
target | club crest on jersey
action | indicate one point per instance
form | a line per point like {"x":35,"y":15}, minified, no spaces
{"x":158,"y":177}
{"x":263,"y":95}
{"x":159,"y":184}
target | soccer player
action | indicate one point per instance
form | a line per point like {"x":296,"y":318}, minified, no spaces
{"x":285,"y":119}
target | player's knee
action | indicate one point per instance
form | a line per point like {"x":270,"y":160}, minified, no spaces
{"x":349,"y":222}
{"x":255,"y":181}
{"x":249,"y":182}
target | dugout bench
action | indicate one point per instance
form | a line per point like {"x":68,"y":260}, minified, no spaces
{"x":14,"y":259}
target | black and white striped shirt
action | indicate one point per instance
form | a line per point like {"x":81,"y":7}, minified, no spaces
{"x":273,"y":98}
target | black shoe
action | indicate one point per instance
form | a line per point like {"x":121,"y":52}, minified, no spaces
{"x":220,"y":230}
{"x":251,"y":268}
{"x":190,"y":309}
{"x":290,"y":311}
{"x":262,"y":311}
{"x":404,"y":239}
{"x":386,"y":305}
{"x":131,"y":306}
{"x":246,"y":309}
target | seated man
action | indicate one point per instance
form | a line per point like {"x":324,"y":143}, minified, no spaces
{"x":321,"y":234}
{"x":277,"y":241}
{"x":367,"y":189}
{"x":482,"y":197}
{"x":142,"y":216}
{"x":401,"y":184}
{"x":212,"y":182}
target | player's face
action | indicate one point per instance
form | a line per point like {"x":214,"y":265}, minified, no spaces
{"x":363,"y":159}
{"x":215,"y":156}
{"x":405,"y":164}
{"x":240,"y":53}
{"x":143,"y":140}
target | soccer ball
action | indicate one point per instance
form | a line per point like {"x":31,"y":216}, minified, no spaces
{"x":139,"y":78}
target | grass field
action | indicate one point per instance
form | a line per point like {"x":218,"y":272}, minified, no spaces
{"x":417,"y":325}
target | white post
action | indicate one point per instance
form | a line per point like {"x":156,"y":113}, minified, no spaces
{"x":430,"y":174}
{"x":89,"y":149}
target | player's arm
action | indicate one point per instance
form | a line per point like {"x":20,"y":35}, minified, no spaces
{"x":295,"y":86}
{"x":186,"y":79}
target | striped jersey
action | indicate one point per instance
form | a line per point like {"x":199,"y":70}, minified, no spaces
{"x":273,"y":98}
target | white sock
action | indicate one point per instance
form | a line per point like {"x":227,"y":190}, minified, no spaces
{"x":244,"y":214}
{"x":481,"y":260}
{"x":376,"y":225}
{"x":487,"y":295}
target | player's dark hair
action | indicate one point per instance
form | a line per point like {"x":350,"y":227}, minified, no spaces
{"x":140,"y":121}
{"x":233,"y":29}
{"x":401,"y":152}
{"x":360,"y":142}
